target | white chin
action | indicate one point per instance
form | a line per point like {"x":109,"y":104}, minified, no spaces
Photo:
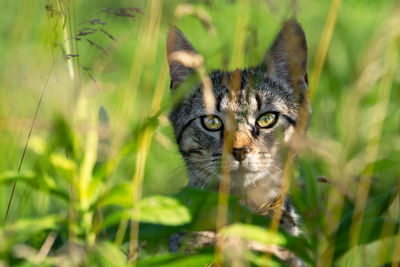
{"x":242,"y":179}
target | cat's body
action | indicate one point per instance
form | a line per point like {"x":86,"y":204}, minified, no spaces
{"x":264,"y":108}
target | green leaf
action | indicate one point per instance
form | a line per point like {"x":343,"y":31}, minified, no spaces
{"x":10,"y":176}
{"x":107,"y":254}
{"x":114,"y":218}
{"x":261,"y":260}
{"x":160,"y":210}
{"x":120,"y":195}
{"x":375,"y":207}
{"x":43,"y":183}
{"x":64,"y":137}
{"x":371,"y":230}
{"x":23,"y":229}
{"x":371,"y":223}
{"x":163,"y":210}
{"x":378,"y":166}
{"x":179,"y":260}
{"x":203,"y":206}
{"x":312,"y":191}
{"x":95,"y":191}
{"x":64,"y":166}
{"x":38,"y":145}
{"x":266,"y":237}
{"x":254,"y":233}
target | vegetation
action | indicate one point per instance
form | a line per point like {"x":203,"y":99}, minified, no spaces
{"x":86,"y":144}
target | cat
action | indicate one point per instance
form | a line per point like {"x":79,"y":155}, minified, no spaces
{"x":265,"y":110}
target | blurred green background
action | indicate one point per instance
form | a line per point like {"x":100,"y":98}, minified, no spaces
{"x":119,"y":69}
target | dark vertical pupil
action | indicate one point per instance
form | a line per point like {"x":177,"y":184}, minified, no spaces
{"x":266,"y":120}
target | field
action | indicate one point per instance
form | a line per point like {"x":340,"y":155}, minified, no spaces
{"x":90,"y":174}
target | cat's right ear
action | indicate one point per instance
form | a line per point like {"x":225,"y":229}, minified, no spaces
{"x":179,"y":70}
{"x":287,"y":57}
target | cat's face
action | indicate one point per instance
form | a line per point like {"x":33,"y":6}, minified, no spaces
{"x":264,"y":108}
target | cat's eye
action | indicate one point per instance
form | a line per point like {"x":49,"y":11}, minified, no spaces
{"x":267,"y":120}
{"x":211,"y":122}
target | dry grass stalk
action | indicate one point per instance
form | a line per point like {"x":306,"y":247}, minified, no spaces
{"x":146,"y":136}
{"x":229,"y":131}
{"x":187,"y":9}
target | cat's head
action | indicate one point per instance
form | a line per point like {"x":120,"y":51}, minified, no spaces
{"x":264,"y":109}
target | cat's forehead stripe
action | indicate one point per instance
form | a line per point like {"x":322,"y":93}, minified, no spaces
{"x":259,"y":103}
{"x":257,"y":90}
{"x":218,"y":102}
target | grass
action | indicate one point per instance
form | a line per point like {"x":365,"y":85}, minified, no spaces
{"x":101,"y":174}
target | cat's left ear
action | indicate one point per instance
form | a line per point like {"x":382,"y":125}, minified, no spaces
{"x":287,"y":57}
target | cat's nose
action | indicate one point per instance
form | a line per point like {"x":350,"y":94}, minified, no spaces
{"x":240,"y":153}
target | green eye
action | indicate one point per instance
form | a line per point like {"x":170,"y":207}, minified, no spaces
{"x":211,"y":122}
{"x":267,"y":120}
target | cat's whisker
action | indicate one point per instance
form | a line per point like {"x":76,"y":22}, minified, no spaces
{"x":277,"y":168}
{"x":167,"y":179}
